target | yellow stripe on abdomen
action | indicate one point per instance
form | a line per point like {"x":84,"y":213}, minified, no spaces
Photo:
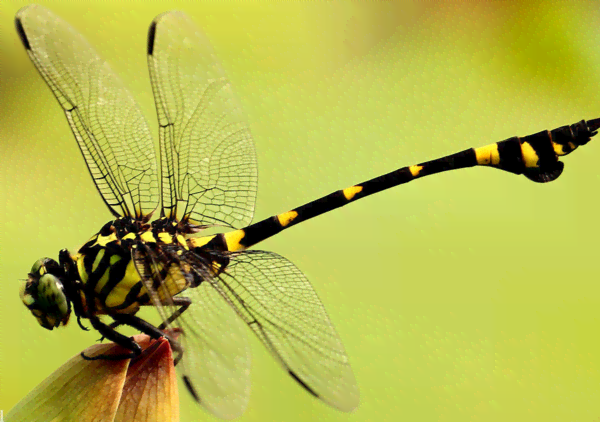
{"x":287,"y":217}
{"x":530,"y":157}
{"x":350,"y":192}
{"x":196,"y":242}
{"x":558,"y":149}
{"x":232,"y":240}
{"x":415,"y":170}
{"x":488,"y":155}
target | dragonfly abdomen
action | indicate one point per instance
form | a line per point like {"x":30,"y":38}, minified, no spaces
{"x":535,"y":156}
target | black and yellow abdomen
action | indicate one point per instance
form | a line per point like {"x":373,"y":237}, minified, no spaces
{"x":535,"y":156}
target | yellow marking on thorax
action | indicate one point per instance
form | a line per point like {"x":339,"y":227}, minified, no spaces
{"x":182,"y":241}
{"x":105,"y":240}
{"x":196,"y":242}
{"x":488,"y":155}
{"x":173,"y":284}
{"x":148,"y":237}
{"x":106,"y":276}
{"x":287,"y":217}
{"x":415,"y":170}
{"x":94,"y":237}
{"x":232,"y":239}
{"x":80,"y":268}
{"x":165,"y":237}
{"x":98,"y":258}
{"x":530,"y":158}
{"x":129,"y":236}
{"x":119,"y":293}
{"x":351,"y":191}
{"x":103,"y":280}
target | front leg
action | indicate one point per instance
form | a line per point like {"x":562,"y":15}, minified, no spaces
{"x":72,"y":284}
{"x":107,"y":331}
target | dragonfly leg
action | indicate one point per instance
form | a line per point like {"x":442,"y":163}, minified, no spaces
{"x":112,"y":325}
{"x":107,"y":331}
{"x":183,"y":303}
{"x":110,"y":333}
{"x":152,"y":331}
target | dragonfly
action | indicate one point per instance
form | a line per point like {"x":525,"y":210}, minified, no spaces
{"x":210,"y":288}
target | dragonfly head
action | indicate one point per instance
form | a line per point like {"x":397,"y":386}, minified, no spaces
{"x":44,"y":295}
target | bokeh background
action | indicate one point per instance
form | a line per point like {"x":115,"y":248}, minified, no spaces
{"x":466,"y":296}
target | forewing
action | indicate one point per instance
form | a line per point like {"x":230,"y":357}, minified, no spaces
{"x":216,"y":358}
{"x":208,"y":160}
{"x":110,"y":129}
{"x":277,"y":302}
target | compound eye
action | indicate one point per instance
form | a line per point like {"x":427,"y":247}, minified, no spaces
{"x":50,"y":291}
{"x":38,"y":268}
{"x":44,"y":295}
{"x":52,"y":300}
{"x":43,"y":266}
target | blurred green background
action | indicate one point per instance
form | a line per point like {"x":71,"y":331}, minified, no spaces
{"x":471,"y":295}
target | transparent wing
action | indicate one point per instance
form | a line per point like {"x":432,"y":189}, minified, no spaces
{"x":216,"y":358}
{"x":216,"y":355}
{"x":208,"y":160}
{"x":110,"y":129}
{"x":278,"y":303}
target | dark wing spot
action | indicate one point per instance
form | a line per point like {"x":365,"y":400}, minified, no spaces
{"x":151,"y":37}
{"x":21,"y":32}
{"x":190,"y":388}
{"x":306,"y":387}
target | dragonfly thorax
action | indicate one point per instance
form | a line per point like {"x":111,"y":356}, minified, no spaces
{"x":108,"y":266}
